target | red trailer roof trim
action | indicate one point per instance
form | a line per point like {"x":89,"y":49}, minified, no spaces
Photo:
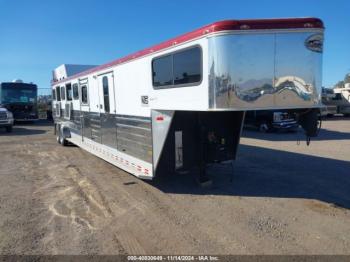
{"x":227,"y":25}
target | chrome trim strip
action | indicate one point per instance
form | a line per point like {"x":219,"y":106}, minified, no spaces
{"x":137,"y":127}
{"x":134,"y":119}
{"x":135,"y":142}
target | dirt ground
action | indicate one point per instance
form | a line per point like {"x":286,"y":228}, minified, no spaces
{"x":284,"y":198}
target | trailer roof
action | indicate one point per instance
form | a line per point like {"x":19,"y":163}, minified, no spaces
{"x":226,"y":25}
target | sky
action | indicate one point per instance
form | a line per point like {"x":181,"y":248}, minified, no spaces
{"x":36,"y":36}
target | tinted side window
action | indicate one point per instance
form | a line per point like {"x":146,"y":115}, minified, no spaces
{"x":187,"y":66}
{"x":179,"y":68}
{"x":84,"y":94}
{"x":58,"y":93}
{"x":63,"y":93}
{"x":69,"y":92}
{"x":105,"y":93}
{"x":75,"y":92}
{"x":162,"y":71}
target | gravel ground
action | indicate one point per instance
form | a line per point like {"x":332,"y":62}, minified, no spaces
{"x":281,"y":198}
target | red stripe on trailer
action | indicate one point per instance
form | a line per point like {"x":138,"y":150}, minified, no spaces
{"x":227,"y":25}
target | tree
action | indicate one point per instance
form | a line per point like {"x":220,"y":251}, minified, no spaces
{"x":340,"y":84}
{"x":347,"y":78}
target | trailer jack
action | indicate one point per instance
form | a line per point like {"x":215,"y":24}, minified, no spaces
{"x":311,"y":123}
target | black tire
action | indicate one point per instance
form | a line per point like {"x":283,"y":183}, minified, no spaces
{"x":9,"y":129}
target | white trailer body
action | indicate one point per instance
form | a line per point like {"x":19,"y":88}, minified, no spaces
{"x":181,"y":103}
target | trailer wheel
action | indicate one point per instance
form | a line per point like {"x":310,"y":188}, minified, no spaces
{"x":63,"y":141}
{"x":58,"y":139}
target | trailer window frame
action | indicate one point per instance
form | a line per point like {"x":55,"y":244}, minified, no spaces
{"x":53,"y":94}
{"x":75,"y":91}
{"x":69,"y":92}
{"x":105,"y":90}
{"x":82,"y":100}
{"x":58,"y":93}
{"x":172,"y":54}
{"x":63,"y":93}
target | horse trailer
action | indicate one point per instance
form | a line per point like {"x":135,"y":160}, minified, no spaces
{"x":181,"y":104}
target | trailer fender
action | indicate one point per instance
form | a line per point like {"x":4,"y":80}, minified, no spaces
{"x":62,"y":131}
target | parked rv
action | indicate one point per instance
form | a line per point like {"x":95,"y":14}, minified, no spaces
{"x":21,"y":99}
{"x":182,"y":103}
{"x":272,"y":120}
{"x":6,"y":119}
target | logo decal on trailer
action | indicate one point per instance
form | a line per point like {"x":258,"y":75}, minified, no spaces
{"x":144,"y":100}
{"x":315,"y":43}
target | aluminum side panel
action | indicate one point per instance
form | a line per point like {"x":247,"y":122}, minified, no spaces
{"x":131,"y":135}
{"x":134,"y":136}
{"x":264,"y":71}
{"x":161,"y":121}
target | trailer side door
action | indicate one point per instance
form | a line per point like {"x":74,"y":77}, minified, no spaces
{"x":107,"y":108}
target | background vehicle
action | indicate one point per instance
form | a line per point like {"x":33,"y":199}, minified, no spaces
{"x":343,"y":97}
{"x":6,"y":119}
{"x":21,"y":99}
{"x":336,"y":101}
{"x":270,"y":120}
{"x":330,"y":103}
